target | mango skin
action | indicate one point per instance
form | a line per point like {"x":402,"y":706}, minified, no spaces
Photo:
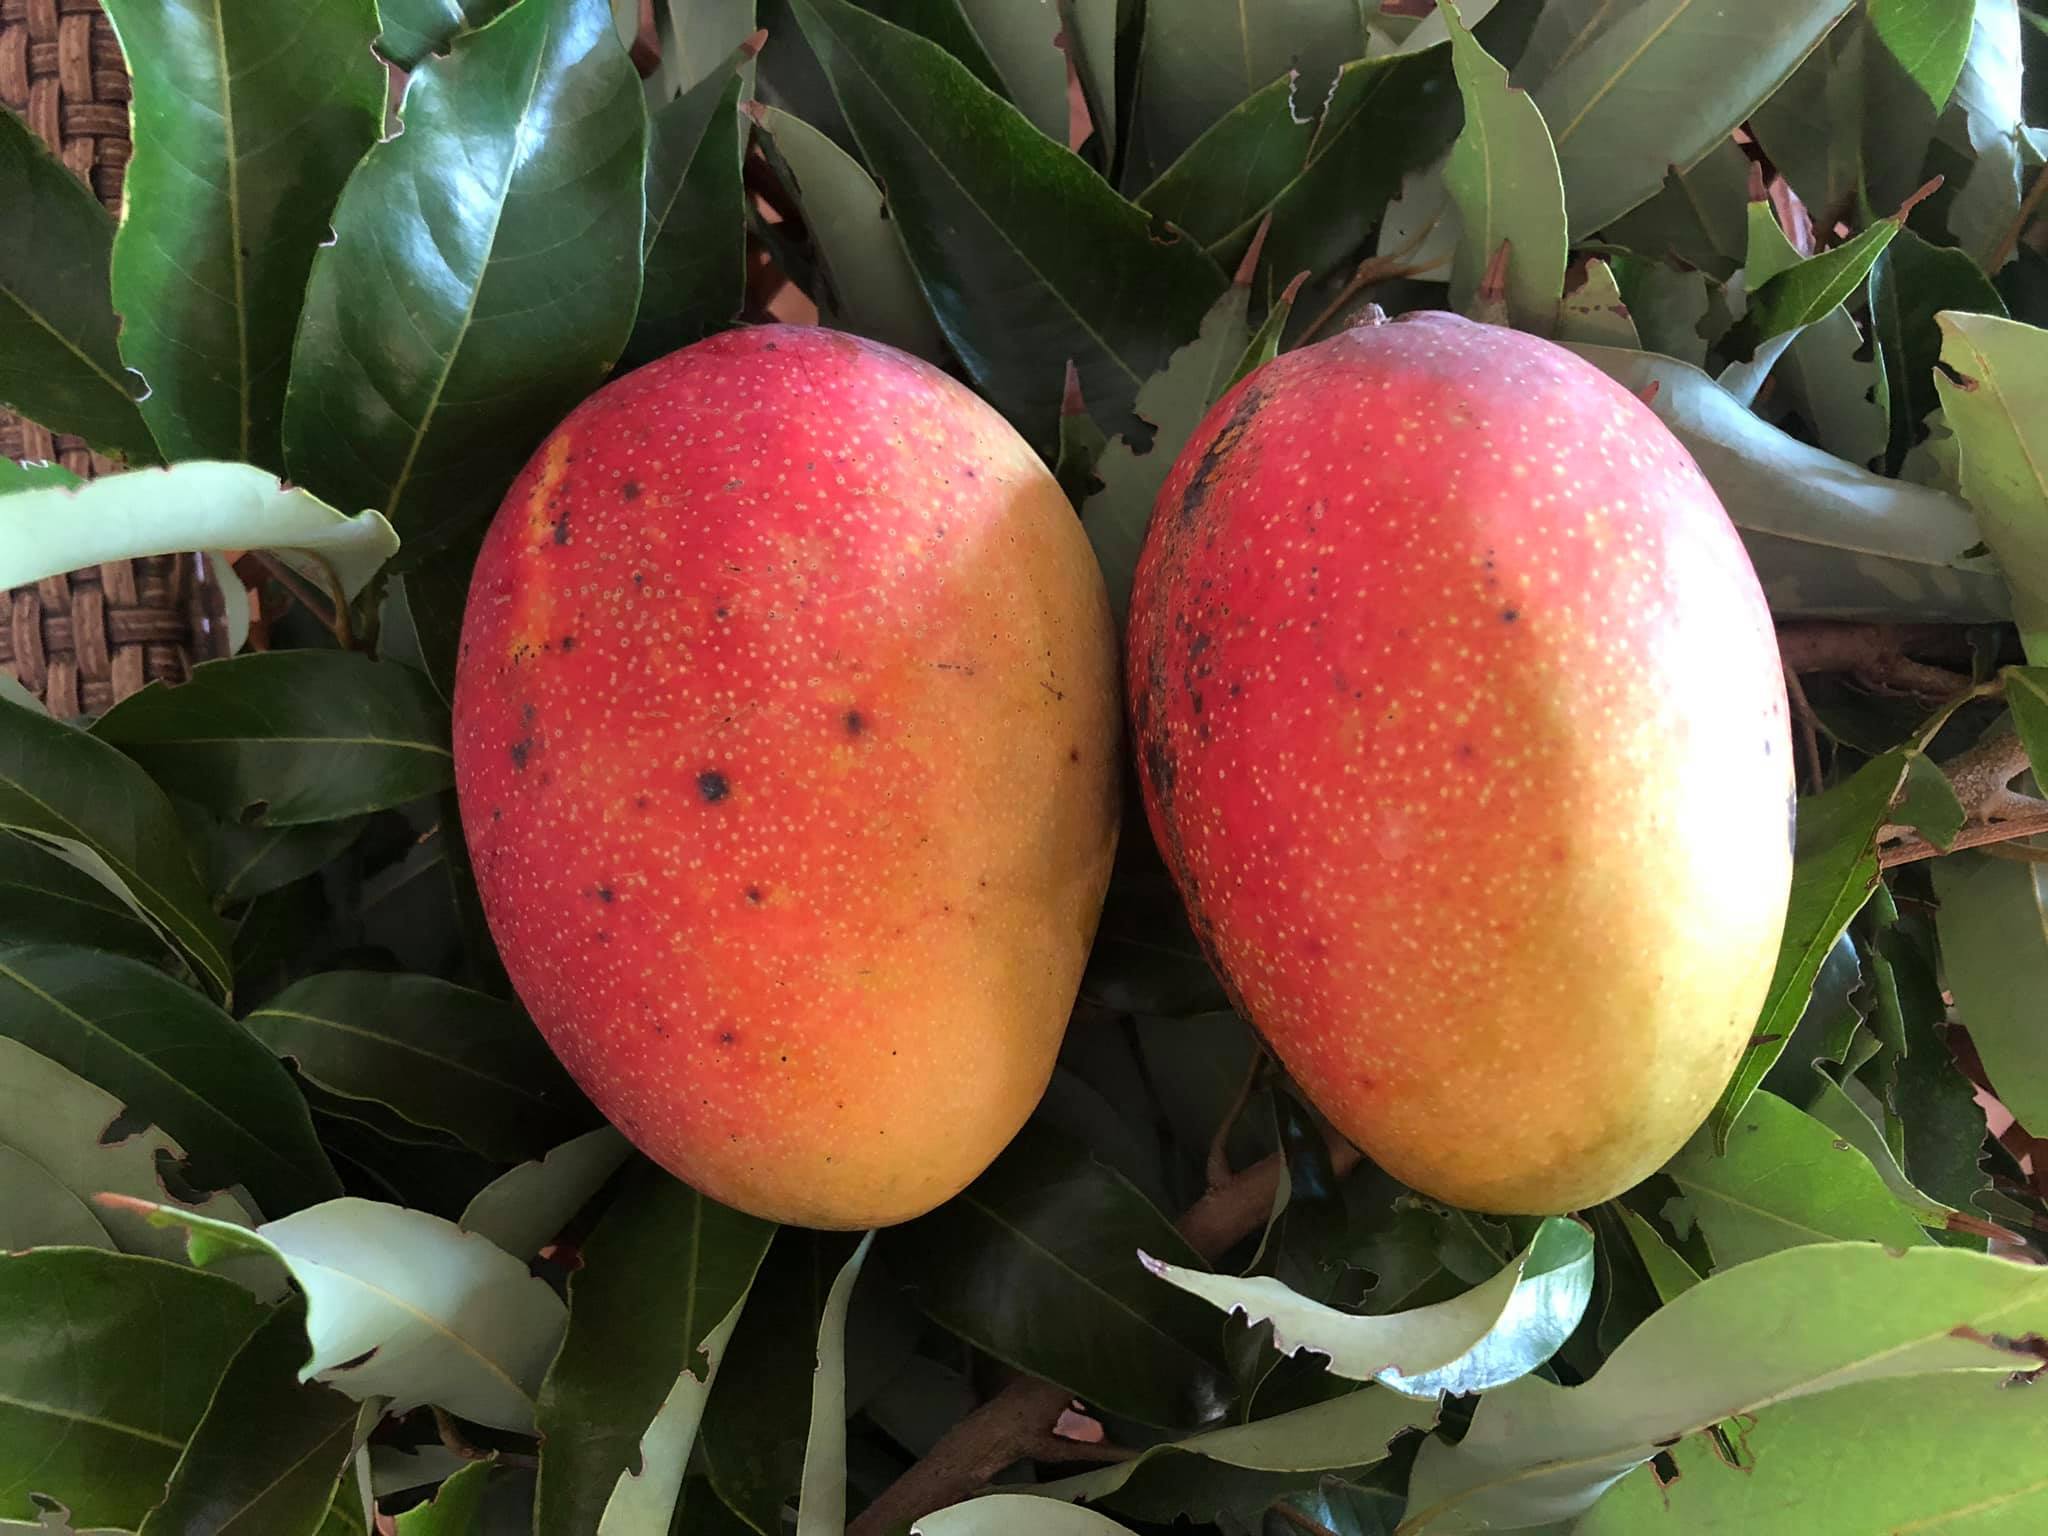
{"x":1460,"y":722}
{"x":786,"y":731}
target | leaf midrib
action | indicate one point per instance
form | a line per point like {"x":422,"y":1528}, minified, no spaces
{"x":393,"y":1041}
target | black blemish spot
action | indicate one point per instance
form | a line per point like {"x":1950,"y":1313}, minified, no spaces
{"x":726,"y":1037}
{"x":630,"y":491}
{"x":527,"y":713}
{"x":568,"y":643}
{"x":732,"y":485}
{"x":497,"y":813}
{"x":639,"y":802}
{"x":712,"y":786}
{"x":718,"y":613}
{"x":1213,"y":456}
{"x":1465,"y":750}
{"x":639,"y":579}
{"x":1509,"y":615}
{"x":854,"y":723}
{"x":1236,"y":690}
{"x":520,"y":751}
{"x":754,"y":894}
{"x":1073,"y":754}
{"x":661,"y":1031}
{"x":1195,"y":701}
{"x":562,"y":528}
{"x":605,"y":895}
{"x":603,"y":935}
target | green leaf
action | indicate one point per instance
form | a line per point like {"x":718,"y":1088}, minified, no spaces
{"x":1609,"y":106}
{"x":753,"y":1436}
{"x":1503,"y":179}
{"x":1834,"y":870}
{"x":1036,"y":1263}
{"x":174,"y":1058}
{"x":1979,"y":1473}
{"x":1986,"y":125}
{"x":2026,"y":691}
{"x":285,"y":738}
{"x":701,"y":36}
{"x":65,"y":1140}
{"x":522,"y":1210}
{"x":1323,"y":179}
{"x":1021,"y":47}
{"x":1200,"y":58}
{"x":1786,"y":1178}
{"x":1028,"y":258}
{"x":58,"y":361}
{"x":1833,"y":1108}
{"x":108,"y":1364}
{"x":1795,"y":298}
{"x":1346,"y":1431}
{"x":821,"y":1507}
{"x":1927,"y":802}
{"x":1993,"y":921}
{"x":1697,"y":216}
{"x":1829,"y":540}
{"x":504,"y":224}
{"x":1006,"y":1514}
{"x":1172,"y":401}
{"x":1594,"y":312}
{"x":1929,"y":39}
{"x":38,"y":1211}
{"x":53,"y":529}
{"x":696,"y":239}
{"x":456,"y":1509}
{"x":248,"y":117}
{"x":244,"y":862}
{"x":280,"y":1481}
{"x":1995,"y":396}
{"x":1838,"y":387}
{"x":1669,"y":1272}
{"x":1492,"y":1334}
{"x":440,"y":1055}
{"x":46,"y":900}
{"x":415,"y":28}
{"x":661,"y":1282}
{"x":1833,"y":1314}
{"x":68,"y":791}
{"x":869,"y":287}
{"x":403,"y":1305}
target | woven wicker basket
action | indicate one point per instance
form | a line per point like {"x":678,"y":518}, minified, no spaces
{"x":82,"y":641}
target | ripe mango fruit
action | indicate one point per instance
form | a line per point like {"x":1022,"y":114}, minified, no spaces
{"x":786,"y":735}
{"x":1460,"y":723}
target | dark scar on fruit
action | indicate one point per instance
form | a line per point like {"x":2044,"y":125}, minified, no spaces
{"x":562,"y":528}
{"x":854,"y":723}
{"x":711,"y":784}
{"x":630,"y":491}
{"x":1220,"y":446}
{"x":520,"y":751}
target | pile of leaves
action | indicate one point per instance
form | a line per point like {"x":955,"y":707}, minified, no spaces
{"x":303,"y":1229}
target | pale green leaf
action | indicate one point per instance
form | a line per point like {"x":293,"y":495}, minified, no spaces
{"x":1008,"y":1514}
{"x":821,"y":1510}
{"x":521,"y":1210}
{"x":1594,"y":313}
{"x":1993,"y":921}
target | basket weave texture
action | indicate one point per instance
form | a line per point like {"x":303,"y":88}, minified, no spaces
{"x":83,"y":641}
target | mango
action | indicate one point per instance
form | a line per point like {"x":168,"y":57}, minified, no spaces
{"x":786,"y":735}
{"x":1460,"y":723}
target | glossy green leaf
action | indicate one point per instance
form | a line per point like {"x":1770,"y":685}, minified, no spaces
{"x":1503,"y":180}
{"x":1834,"y":870}
{"x":821,"y":1506}
{"x":1200,"y":58}
{"x":56,"y":528}
{"x":1986,"y":124}
{"x":1019,"y":36}
{"x":1347,"y":1431}
{"x":1029,"y":260}
{"x":1172,"y":401}
{"x":81,"y":797}
{"x":1929,"y":39}
{"x":58,"y":361}
{"x":284,"y":738}
{"x":522,"y":1209}
{"x":1993,"y":921}
{"x":37,"y":1210}
{"x":412,"y":29}
{"x":403,"y":1305}
{"x":696,"y":244}
{"x":1786,"y":1178}
{"x":1798,"y":296}
{"x":1036,"y":1263}
{"x":1005,"y":1514}
{"x":174,"y":1058}
{"x":45,"y":900}
{"x":1323,"y":178}
{"x":1995,"y":396}
{"x":456,"y":1509}
{"x":2026,"y":691}
{"x":59,"y":1132}
{"x":267,"y":1458}
{"x":248,"y":117}
{"x":1839,"y":387}
{"x":1697,"y":216}
{"x":107,"y":1366}
{"x":1979,"y":1474}
{"x":442,"y":1056}
{"x":1668,"y":1270}
{"x":663,"y":1271}
{"x":870,"y":288}
{"x":1832,"y":1106}
{"x":1595,"y":313}
{"x":244,"y":862}
{"x":1829,"y":540}
{"x":1833,"y":1314}
{"x":753,"y":1434}
{"x":701,"y":36}
{"x":1492,"y":1334}
{"x":1609,"y":106}
{"x":504,"y":225}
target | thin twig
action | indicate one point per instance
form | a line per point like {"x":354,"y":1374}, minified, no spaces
{"x":1374,"y":269}
{"x":2010,"y":240}
{"x":1057,"y":1448}
{"x":1299,"y":1521}
{"x":1809,"y":730}
{"x":1218,"y":1166}
{"x":1913,"y":850}
{"x":333,"y":619}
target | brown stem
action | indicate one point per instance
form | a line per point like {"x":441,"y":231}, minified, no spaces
{"x":333,"y":616}
{"x":1809,"y":730}
{"x":1016,"y":1421}
{"x":1913,"y":850}
{"x":1875,"y":654}
{"x":1056,"y":1448}
{"x":1218,"y":1168}
{"x":1299,"y":1521}
{"x":2009,"y":241}
{"x":1374,"y":269}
